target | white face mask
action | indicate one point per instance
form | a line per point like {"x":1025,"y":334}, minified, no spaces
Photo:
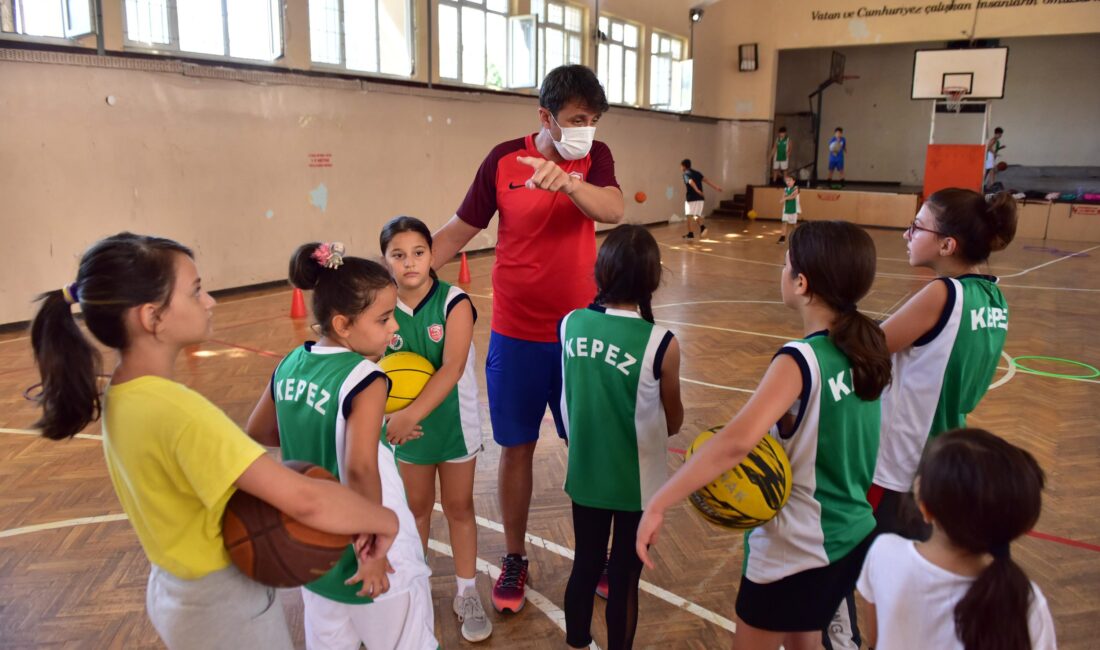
{"x":576,"y":141}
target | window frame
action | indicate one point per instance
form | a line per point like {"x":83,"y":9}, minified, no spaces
{"x":511,"y":21}
{"x":541,"y":66}
{"x":669,"y":107}
{"x":605,"y":40}
{"x":172,"y":48}
{"x":410,"y":43}
{"x":17,"y":36}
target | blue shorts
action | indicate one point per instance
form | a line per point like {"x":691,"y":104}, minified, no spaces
{"x":522,"y":378}
{"x":836,"y":163}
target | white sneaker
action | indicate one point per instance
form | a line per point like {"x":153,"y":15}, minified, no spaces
{"x":475,"y":625}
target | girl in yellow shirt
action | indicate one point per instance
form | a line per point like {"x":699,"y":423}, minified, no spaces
{"x":173,"y":457}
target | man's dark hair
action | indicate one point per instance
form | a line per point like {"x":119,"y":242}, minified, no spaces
{"x":782,"y":129}
{"x":686,"y":162}
{"x":572,"y":83}
{"x":998,"y":130}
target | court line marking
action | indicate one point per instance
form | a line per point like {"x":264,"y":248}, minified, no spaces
{"x":1048,"y":263}
{"x":753,"y":302}
{"x":900,"y":276}
{"x":725,"y":257}
{"x":64,"y":523}
{"x":718,"y":386}
{"x":648,"y":587}
{"x":38,"y":432}
{"x":552,"y":611}
{"x":555,"y":614}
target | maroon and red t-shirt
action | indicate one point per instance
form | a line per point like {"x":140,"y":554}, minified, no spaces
{"x":546,"y":247}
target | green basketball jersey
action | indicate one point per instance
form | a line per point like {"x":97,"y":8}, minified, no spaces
{"x":832,"y":449}
{"x":941,"y":378}
{"x":781,"y":148}
{"x":314,"y":388}
{"x":790,"y":206}
{"x":453,"y":429}
{"x":611,"y":406}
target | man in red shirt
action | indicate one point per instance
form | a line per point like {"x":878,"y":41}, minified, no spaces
{"x":549,"y":189}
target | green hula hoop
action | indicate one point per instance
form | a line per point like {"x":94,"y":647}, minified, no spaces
{"x":1092,"y":369}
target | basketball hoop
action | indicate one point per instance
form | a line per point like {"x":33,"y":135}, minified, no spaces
{"x":954,"y":95}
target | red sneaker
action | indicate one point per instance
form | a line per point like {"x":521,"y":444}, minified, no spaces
{"x":510,"y":590}
{"x":601,"y":586}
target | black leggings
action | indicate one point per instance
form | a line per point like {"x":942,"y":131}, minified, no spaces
{"x":591,"y":528}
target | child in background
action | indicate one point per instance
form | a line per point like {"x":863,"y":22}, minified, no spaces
{"x":792,"y":207}
{"x":437,"y":322}
{"x":838,"y":146}
{"x":781,"y":154}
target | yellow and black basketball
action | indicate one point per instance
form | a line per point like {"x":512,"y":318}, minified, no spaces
{"x":409,"y":373}
{"x":750,"y":494}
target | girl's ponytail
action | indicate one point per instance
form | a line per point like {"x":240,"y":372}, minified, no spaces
{"x":69,"y":367}
{"x":815,"y":249}
{"x":993,"y":613}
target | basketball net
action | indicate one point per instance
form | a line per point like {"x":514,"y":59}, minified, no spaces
{"x":955,"y":96}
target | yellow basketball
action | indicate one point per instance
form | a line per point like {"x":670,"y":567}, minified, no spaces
{"x":409,"y":373}
{"x":750,"y":494}
{"x":752,"y":214}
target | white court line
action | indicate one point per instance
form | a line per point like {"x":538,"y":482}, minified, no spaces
{"x":1035,"y":286}
{"x":725,"y":257}
{"x":719,"y":386}
{"x":725,"y":329}
{"x":65,"y":523}
{"x":1039,"y":266}
{"x":648,"y":587}
{"x":751,"y":302}
{"x":894,"y":306}
{"x":552,"y":611}
{"x":538,"y":600}
{"x":38,"y":432}
{"x":1008,"y":375}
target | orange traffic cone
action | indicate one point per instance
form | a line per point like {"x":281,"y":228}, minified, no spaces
{"x":464,"y":271}
{"x":297,"y":304}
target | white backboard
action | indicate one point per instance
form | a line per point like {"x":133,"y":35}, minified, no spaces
{"x":982,"y":70}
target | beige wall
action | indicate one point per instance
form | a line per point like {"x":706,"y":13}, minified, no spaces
{"x":1048,"y":119}
{"x":204,"y":160}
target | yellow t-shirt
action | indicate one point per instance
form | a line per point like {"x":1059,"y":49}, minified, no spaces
{"x":173,"y":459}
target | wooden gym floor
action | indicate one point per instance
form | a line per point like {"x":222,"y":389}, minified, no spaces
{"x":72,"y":573}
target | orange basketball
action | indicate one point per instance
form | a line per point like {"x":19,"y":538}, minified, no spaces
{"x":640,"y":197}
{"x":273,"y":548}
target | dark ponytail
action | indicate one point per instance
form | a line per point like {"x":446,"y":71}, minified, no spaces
{"x":980,"y":227}
{"x":116,"y":274}
{"x":628,"y":268}
{"x":985,"y":492}
{"x":815,"y":251}
{"x":346,"y":288}
{"x":398,"y":225}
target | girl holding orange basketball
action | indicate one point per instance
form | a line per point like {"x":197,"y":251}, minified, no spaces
{"x":823,"y":391}
{"x":174,"y":458}
{"x":325,"y":405}
{"x":437,"y":322}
